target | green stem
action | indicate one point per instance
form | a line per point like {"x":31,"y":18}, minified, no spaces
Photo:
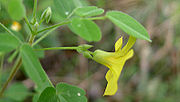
{"x":42,"y":37}
{"x":27,"y":22}
{"x":51,"y":28}
{"x":11,"y":58}
{"x":41,"y":21}
{"x":12,"y":74}
{"x":1,"y":67}
{"x":35,"y":8}
{"x":90,"y":52}
{"x":71,"y":13}
{"x":67,"y":22}
{"x":31,"y":39}
{"x":10,"y":32}
{"x":54,"y":26}
{"x":7,"y":29}
{"x":97,"y":18}
{"x":58,"y":48}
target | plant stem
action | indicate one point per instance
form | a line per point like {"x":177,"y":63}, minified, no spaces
{"x":7,"y":29}
{"x":90,"y":52}
{"x":51,"y":28}
{"x":27,"y":22}
{"x":11,"y":58}
{"x":12,"y":74}
{"x":10,"y":32}
{"x":58,"y":48}
{"x":40,"y":22}
{"x":54,"y":26}
{"x":1,"y":66}
{"x":97,"y":18}
{"x":42,"y":37}
{"x":67,"y":22}
{"x":35,"y":8}
{"x":31,"y":39}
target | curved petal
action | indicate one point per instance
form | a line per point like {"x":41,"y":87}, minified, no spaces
{"x":114,"y":72}
{"x":129,"y":44}
{"x":112,"y":85}
{"x":129,"y":54}
{"x":112,"y":76}
{"x":118,"y":44}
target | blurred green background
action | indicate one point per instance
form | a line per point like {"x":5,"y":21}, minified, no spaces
{"x":152,"y":75}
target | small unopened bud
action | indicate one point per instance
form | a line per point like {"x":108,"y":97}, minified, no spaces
{"x":46,"y":15}
{"x":87,"y":55}
{"x":85,"y":46}
{"x":83,"y":49}
{"x":49,"y":14}
{"x":35,"y":27}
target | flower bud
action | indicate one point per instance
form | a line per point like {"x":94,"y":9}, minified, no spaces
{"x":83,"y":49}
{"x":35,"y":27}
{"x":85,"y":46}
{"x":46,"y":15}
{"x":87,"y":55}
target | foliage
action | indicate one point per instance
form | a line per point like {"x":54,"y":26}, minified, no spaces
{"x":79,"y":17}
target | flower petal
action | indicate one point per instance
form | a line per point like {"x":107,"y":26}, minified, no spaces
{"x":115,"y":62}
{"x":118,"y":44}
{"x":129,"y":54}
{"x":129,"y":44}
{"x":114,"y":73}
{"x":112,"y":76}
{"x":112,"y":85}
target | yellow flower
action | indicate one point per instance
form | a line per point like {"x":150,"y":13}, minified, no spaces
{"x":16,"y":26}
{"x":115,"y":62}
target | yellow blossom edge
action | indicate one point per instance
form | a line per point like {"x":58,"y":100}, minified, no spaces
{"x":115,"y":62}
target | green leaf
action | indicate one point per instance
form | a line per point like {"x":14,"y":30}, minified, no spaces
{"x":16,"y":9}
{"x":17,"y":92}
{"x":8,"y":42}
{"x":88,"y":11}
{"x":128,"y":24}
{"x":35,"y":97}
{"x":80,"y":3}
{"x":64,"y":7}
{"x":48,"y":95}
{"x":86,"y":29}
{"x":39,"y":54}
{"x":69,"y":93}
{"x":63,"y":93}
{"x":33,"y":67}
